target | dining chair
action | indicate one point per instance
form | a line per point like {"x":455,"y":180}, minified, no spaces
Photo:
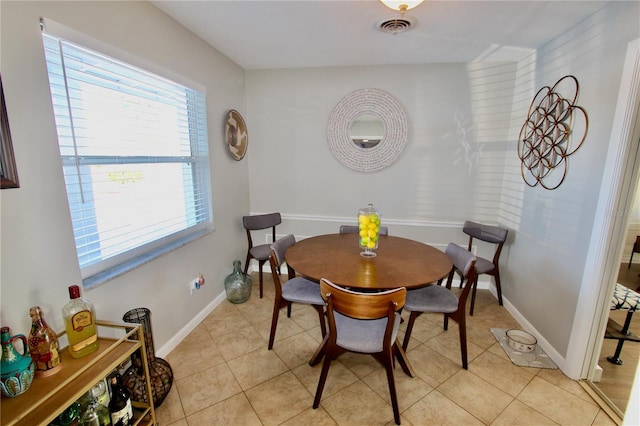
{"x":353,"y":229}
{"x":260,"y":252}
{"x":364,"y":323}
{"x":490,"y":234}
{"x":436,"y":298}
{"x":294,"y":290}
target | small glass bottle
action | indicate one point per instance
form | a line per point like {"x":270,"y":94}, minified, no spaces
{"x":80,"y":322}
{"x":43,"y":345}
{"x":237,"y":285}
{"x":120,"y":403}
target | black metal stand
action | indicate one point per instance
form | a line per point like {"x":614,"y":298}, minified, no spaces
{"x":614,"y":331}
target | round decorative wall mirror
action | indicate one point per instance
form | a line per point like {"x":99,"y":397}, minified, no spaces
{"x":367,"y":130}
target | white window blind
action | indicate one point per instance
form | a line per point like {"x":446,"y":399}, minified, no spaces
{"x":134,"y":155}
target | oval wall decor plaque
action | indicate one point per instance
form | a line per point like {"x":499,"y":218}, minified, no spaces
{"x":236,"y":135}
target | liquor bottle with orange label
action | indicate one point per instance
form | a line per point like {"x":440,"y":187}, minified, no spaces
{"x":80,"y":322}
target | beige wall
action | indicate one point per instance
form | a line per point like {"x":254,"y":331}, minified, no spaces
{"x":38,"y":254}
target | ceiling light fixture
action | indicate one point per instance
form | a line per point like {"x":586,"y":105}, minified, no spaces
{"x":402,"y":6}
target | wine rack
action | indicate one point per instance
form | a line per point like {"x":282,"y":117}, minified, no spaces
{"x":49,"y":396}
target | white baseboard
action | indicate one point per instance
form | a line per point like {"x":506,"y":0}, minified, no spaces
{"x":597,"y":374}
{"x":191,"y":325}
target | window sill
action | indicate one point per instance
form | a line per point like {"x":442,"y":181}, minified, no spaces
{"x":124,"y":267}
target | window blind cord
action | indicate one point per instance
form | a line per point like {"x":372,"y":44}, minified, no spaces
{"x":73,"y":131}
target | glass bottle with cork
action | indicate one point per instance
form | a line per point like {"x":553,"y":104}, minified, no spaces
{"x":80,"y":323}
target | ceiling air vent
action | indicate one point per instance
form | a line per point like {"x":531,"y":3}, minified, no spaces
{"x":396,"y":25}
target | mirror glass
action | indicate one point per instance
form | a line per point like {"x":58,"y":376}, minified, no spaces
{"x":367,"y":130}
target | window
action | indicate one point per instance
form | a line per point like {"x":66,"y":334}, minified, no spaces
{"x":134,"y":155}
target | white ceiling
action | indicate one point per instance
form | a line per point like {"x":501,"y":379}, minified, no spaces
{"x":267,"y":34}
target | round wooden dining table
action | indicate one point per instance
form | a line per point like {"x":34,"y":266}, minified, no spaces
{"x":399,"y":262}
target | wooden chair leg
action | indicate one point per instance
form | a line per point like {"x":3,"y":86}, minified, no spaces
{"x":323,"y":377}
{"x":401,"y":356}
{"x":274,"y":323}
{"x":388,"y":364}
{"x":407,"y":333}
{"x":246,"y":263}
{"x":449,"y":279}
{"x":323,"y":325}
{"x":320,"y":352}
{"x":260,"y":263}
{"x":473,"y":295}
{"x":463,"y":343}
{"x":498,"y":287}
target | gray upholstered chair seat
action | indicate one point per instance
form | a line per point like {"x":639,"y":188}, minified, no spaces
{"x":433,"y":298}
{"x":302,"y":290}
{"x":364,"y":336}
{"x":483,"y":265}
{"x":261,"y":252}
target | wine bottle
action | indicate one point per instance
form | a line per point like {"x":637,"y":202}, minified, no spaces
{"x":80,"y":322}
{"x":120,"y":403}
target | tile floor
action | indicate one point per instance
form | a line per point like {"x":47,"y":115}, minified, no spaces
{"x":224,"y":375}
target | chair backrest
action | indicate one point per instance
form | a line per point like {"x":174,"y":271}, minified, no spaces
{"x":353,"y":229}
{"x":460,"y":257}
{"x":279,"y":248}
{"x":261,"y":221}
{"x":277,"y":258}
{"x":490,"y":234}
{"x":465,"y":261}
{"x":363,"y":305}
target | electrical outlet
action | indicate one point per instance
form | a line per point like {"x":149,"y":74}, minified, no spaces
{"x":193,"y":285}
{"x":196,"y":283}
